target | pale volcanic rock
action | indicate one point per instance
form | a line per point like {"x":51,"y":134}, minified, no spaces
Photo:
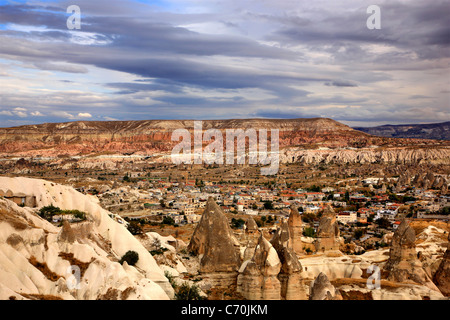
{"x":95,"y":243}
{"x":251,"y":236}
{"x":328,"y":232}
{"x":214,"y":241}
{"x":403,"y":265}
{"x":442,"y":276}
{"x":292,"y":286}
{"x":322,"y":289}
{"x":66,"y":233}
{"x":295,"y":231}
{"x":438,"y":155}
{"x":258,"y":277}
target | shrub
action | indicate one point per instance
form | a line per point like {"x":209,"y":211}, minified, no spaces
{"x":237,"y":223}
{"x":168,"y":220}
{"x":131,"y":257}
{"x":134,"y":228}
{"x":309,"y":232}
{"x":188,"y":292}
{"x":49,"y":211}
{"x":171,"y":279}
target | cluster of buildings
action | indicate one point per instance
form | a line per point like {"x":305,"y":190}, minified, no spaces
{"x":184,"y":202}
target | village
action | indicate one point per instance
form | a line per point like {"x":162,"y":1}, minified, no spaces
{"x":365,"y":211}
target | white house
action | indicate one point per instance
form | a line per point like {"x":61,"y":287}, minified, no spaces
{"x":346,"y":217}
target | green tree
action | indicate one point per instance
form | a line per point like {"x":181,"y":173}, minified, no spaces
{"x":268,"y":205}
{"x":131,"y":257}
{"x":309,"y":232}
{"x":134,"y":227}
{"x":358,"y":233}
{"x":347,"y":196}
{"x":237,"y":223}
{"x":168,"y":220}
{"x":383,"y":223}
{"x":263,"y":220}
{"x":48,"y":212}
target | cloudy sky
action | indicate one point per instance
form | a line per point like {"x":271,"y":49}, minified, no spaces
{"x":208,"y":59}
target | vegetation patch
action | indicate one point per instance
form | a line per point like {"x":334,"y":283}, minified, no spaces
{"x":188,"y":292}
{"x":42,"y":267}
{"x":49,"y":212}
{"x":131,"y":257}
{"x":70,"y":257}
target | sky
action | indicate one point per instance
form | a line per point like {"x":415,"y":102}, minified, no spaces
{"x":208,"y":59}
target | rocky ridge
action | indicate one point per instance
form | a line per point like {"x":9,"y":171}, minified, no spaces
{"x":301,"y":140}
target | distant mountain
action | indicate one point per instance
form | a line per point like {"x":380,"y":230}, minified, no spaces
{"x":153,"y":137}
{"x":437,"y":131}
{"x":149,"y":136}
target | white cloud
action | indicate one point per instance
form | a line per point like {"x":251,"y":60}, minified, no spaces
{"x":6,"y":113}
{"x":37,"y":114}
{"x":84,"y":115}
{"x":63,"y":114}
{"x":20,"y":112}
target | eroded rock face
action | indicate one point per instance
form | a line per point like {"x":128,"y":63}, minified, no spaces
{"x":290,"y":274}
{"x":66,"y":233}
{"x":442,"y":276}
{"x":214,"y":242}
{"x":403,"y":264}
{"x":322,"y":289}
{"x":38,"y":258}
{"x":295,"y":231}
{"x":328,"y":232}
{"x":258,"y":277}
{"x":251,"y":236}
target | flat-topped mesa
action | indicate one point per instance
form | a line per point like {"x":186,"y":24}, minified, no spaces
{"x":295,"y":231}
{"x":213,"y":241}
{"x":403,"y":264}
{"x":298,"y":138}
{"x":327,"y":232}
{"x":442,"y":276}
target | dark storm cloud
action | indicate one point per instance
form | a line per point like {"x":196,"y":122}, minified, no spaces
{"x":301,"y":61}
{"x":413,"y":26}
{"x":139,"y":34}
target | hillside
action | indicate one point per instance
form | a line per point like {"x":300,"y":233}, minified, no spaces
{"x":150,"y":136}
{"x":437,"y":131}
{"x":36,"y":256}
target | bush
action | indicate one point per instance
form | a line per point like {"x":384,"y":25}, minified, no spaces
{"x":76,"y":213}
{"x":168,"y":220}
{"x":131,"y":257}
{"x":237,"y":223}
{"x":188,"y":292}
{"x":48,"y":212}
{"x":134,"y":228}
{"x":268,"y":205}
{"x":309,"y":232}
